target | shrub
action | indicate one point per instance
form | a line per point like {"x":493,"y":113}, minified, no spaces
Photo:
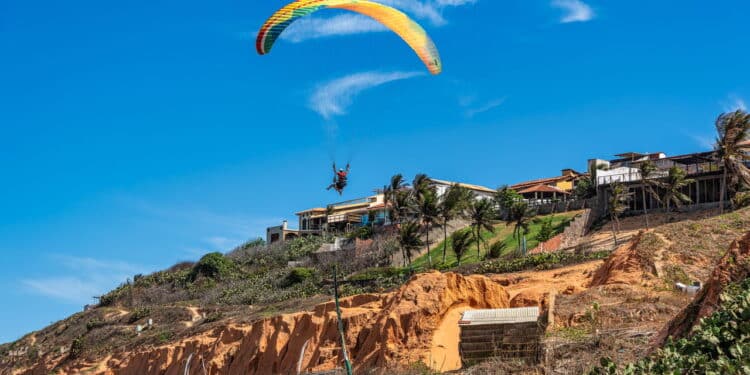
{"x":537,"y":261}
{"x":741,"y":199}
{"x":213,"y":317}
{"x":299,"y":248}
{"x":213,"y":265}
{"x":377,"y":273}
{"x":496,"y":250}
{"x":76,"y":347}
{"x":300,"y":274}
{"x":95,"y":323}
{"x":139,"y":314}
{"x":546,"y":231}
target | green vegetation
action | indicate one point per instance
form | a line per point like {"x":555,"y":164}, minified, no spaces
{"x":213,"y":265}
{"x":139,"y":314}
{"x":537,"y":261}
{"x":504,"y":235}
{"x":720,"y":344}
{"x":77,"y":347}
{"x":732,"y":129}
{"x":299,"y":275}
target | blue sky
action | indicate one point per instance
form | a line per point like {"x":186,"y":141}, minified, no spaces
{"x":139,"y":134}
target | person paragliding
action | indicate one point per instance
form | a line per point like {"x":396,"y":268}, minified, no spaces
{"x":340,"y":177}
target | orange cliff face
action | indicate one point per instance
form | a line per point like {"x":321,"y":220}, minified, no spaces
{"x":381,"y":331}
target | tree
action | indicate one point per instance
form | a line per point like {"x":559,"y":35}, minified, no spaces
{"x":672,"y":188}
{"x":733,"y":128}
{"x":480,"y":213}
{"x":461,"y":240}
{"x":390,"y":191}
{"x":420,"y":185}
{"x":520,"y":217}
{"x":505,"y":197}
{"x":429,"y":215}
{"x":646,"y":169}
{"x":409,"y":239}
{"x":585,"y":186}
{"x":618,"y":204}
{"x":455,"y":200}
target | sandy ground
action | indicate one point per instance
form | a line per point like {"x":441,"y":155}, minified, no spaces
{"x":444,"y":354}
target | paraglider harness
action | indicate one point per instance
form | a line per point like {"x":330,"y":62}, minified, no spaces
{"x":339,"y":179}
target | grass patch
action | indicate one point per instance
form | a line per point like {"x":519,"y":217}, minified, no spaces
{"x":503,"y":233}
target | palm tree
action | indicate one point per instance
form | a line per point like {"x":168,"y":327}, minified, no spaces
{"x":733,"y":128}
{"x":390,"y":191}
{"x":408,"y":238}
{"x":429,"y":215}
{"x":461,"y":240}
{"x":480,"y":213}
{"x":520,"y":217}
{"x":619,"y":195}
{"x":420,"y":185}
{"x":646,"y":169}
{"x":585,"y":186}
{"x":452,"y":203}
{"x":672,"y":187}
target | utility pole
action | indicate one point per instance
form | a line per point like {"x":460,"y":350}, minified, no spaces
{"x":347,"y":364}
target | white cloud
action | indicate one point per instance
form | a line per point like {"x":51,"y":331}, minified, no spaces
{"x":492,"y":104}
{"x":706,"y":142}
{"x":314,"y":27}
{"x":332,"y":98}
{"x":70,"y":289}
{"x":734,"y":103}
{"x":575,"y":10}
{"x":82,"y":278}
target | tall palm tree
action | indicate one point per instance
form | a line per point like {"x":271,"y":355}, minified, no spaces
{"x":420,"y":185}
{"x":646,"y":169}
{"x":672,"y":187}
{"x":409,"y":239}
{"x":455,"y":200}
{"x":390,"y":191}
{"x":520,"y":217}
{"x":429,"y":215}
{"x":480,"y":213}
{"x":733,"y":128}
{"x":461,"y":241}
{"x":619,"y":195}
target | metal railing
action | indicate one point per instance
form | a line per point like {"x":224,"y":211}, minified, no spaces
{"x":634,"y":175}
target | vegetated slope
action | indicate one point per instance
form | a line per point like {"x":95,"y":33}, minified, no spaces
{"x":382,"y":330}
{"x":631,"y":297}
{"x":194,"y":312}
{"x":503,"y":233}
{"x":720,"y":314}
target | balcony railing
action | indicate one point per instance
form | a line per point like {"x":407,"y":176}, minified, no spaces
{"x":635,"y":175}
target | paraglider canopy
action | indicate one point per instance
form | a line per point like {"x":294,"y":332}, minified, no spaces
{"x":411,"y":32}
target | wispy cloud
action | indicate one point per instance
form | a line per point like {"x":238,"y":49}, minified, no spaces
{"x":706,"y":142}
{"x":734,"y":103}
{"x":314,"y":27}
{"x":332,"y":98}
{"x":575,"y":11}
{"x":488,"y":106}
{"x":81,"y":278}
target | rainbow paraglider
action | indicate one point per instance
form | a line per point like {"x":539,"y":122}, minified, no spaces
{"x":411,"y":32}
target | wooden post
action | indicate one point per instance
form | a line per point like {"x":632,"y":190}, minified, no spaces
{"x":347,"y":364}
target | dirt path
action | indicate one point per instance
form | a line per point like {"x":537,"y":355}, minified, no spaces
{"x":195,"y":315}
{"x":444,"y":355}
